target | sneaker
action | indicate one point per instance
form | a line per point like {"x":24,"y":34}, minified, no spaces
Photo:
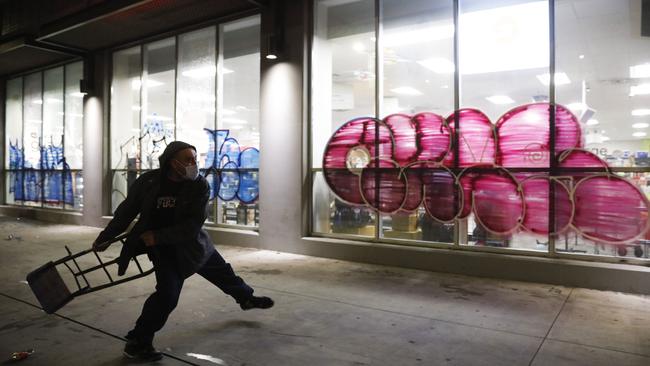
{"x":141,"y":351}
{"x":256,"y":302}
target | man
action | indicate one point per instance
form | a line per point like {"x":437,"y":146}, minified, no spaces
{"x":172,"y":204}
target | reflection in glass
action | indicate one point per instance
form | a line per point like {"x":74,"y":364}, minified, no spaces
{"x":195,"y":103}
{"x":343,"y":88}
{"x":157,"y":83}
{"x":32,"y":132}
{"x":73,"y":116}
{"x":125,"y":109}
{"x":13,"y":140}
{"x":236,"y":141}
{"x":614,"y":117}
{"x":332,"y":215}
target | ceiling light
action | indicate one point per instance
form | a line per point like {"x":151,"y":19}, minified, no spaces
{"x":592,"y":122}
{"x":77,"y":94}
{"x":225,"y":71}
{"x":423,"y":35}
{"x":271,"y":56}
{"x":581,"y":57}
{"x":234,"y":121}
{"x":136,"y":83}
{"x":359,"y":47}
{"x":406,"y":90}
{"x":200,"y":72}
{"x":560,"y":79}
{"x":604,"y":138}
{"x":641,"y":89}
{"x":54,"y":100}
{"x":37,"y":101}
{"x":500,"y":99}
{"x":504,"y":38}
{"x":639,"y":134}
{"x":640,"y":125}
{"x":438,"y":65}
{"x":641,"y":112}
{"x":576,"y":106}
{"x":640,"y":71}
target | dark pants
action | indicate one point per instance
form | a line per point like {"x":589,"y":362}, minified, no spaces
{"x":169,"y":283}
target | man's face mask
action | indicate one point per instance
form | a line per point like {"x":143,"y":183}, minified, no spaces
{"x":191,"y":172}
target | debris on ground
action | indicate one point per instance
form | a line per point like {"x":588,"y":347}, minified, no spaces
{"x":13,"y":237}
{"x":21,"y":355}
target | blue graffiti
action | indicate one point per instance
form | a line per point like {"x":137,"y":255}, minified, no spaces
{"x":231,"y":172}
{"x":51,"y":181}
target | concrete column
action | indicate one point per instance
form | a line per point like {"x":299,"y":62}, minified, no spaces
{"x":282,"y":168}
{"x":94,"y":142}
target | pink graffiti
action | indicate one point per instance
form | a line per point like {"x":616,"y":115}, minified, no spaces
{"x":402,"y":162}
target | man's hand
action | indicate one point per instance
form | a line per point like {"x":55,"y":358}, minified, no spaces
{"x":100,"y":247}
{"x":148,"y":238}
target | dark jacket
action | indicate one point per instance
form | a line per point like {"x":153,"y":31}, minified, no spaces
{"x":191,"y":244}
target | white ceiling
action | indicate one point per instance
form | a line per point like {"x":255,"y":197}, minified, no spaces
{"x":605,"y":32}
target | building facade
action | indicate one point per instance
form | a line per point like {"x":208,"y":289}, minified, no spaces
{"x":494,"y":138}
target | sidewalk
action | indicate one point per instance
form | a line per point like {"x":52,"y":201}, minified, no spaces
{"x":327,"y":312}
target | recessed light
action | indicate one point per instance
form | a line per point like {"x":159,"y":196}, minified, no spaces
{"x":640,"y":125}
{"x":592,"y":122}
{"x":639,"y":134}
{"x":641,"y":112}
{"x":641,"y":89}
{"x":581,"y":57}
{"x":560,"y":78}
{"x":500,"y":99}
{"x":438,"y":65}
{"x":576,"y":106}
{"x":640,"y":71}
{"x":406,"y":90}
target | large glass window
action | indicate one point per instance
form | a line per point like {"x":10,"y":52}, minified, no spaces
{"x":44,"y":137}
{"x":503,"y":63}
{"x":516,"y":157}
{"x":603,"y":77}
{"x":201,"y":87}
{"x":343,"y":87}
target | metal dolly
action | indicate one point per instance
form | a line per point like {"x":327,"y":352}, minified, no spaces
{"x":53,"y":293}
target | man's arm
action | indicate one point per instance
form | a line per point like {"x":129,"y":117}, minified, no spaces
{"x":123,"y":216}
{"x":188,"y":228}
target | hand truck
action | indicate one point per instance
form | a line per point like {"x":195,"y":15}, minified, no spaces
{"x":51,"y":290}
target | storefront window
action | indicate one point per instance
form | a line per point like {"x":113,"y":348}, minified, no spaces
{"x":604,"y":63}
{"x":125,"y":122}
{"x":44,"y":112}
{"x":238,"y":125}
{"x":343,"y":88}
{"x":195,"y":89}
{"x":14,"y":153}
{"x":418,"y":54}
{"x":515,"y":158}
{"x":504,"y":63}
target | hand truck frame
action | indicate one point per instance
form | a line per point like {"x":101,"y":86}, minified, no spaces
{"x":51,"y":290}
